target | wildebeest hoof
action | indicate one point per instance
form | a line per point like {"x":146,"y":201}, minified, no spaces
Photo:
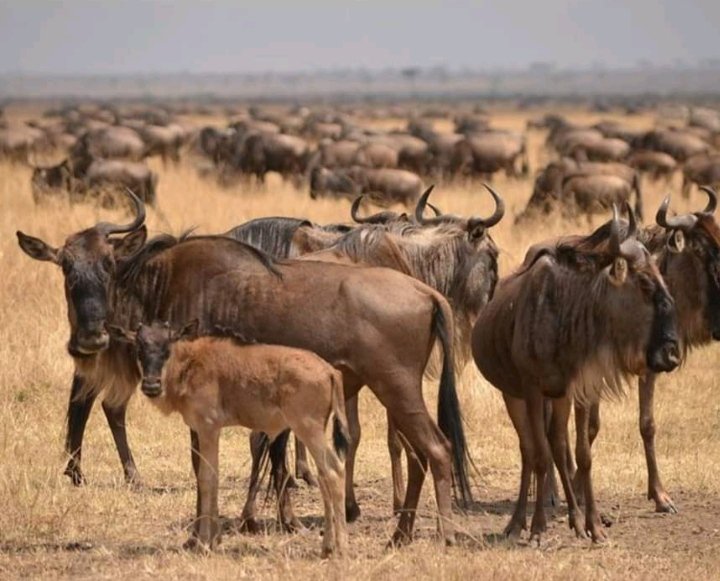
{"x":596,"y":532}
{"x":195,"y":545}
{"x":398,"y":540}
{"x":250,"y":526}
{"x":352,"y":512}
{"x":514,"y":529}
{"x":309,"y":478}
{"x":663,"y":503}
{"x":76,"y":476}
{"x":292,"y":526}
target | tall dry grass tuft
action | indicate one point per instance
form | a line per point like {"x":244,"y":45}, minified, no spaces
{"x":48,"y":528}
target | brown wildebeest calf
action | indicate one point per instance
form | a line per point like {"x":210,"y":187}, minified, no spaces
{"x":580,"y":316}
{"x":214,"y":382}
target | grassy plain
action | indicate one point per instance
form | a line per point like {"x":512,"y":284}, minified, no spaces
{"x":107,"y":530}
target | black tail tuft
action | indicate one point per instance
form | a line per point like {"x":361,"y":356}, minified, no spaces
{"x":449,"y":416}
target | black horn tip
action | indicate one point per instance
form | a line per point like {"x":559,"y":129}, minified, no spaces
{"x":661,"y":216}
{"x":632,"y":219}
{"x":354,"y":209}
{"x":422,"y":202}
{"x":615,"y":232}
{"x":499,"y":207}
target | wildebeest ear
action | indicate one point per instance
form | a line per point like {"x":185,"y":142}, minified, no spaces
{"x":36,"y":248}
{"x":189,"y":331}
{"x":130,"y":244}
{"x":476,"y":232}
{"x":120,"y":334}
{"x":676,"y":242}
{"x":618,"y":271}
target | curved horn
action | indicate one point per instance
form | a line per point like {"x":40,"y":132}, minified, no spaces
{"x":108,"y":228}
{"x":615,"y":233}
{"x":435,"y":209}
{"x":422,"y":202}
{"x":354,"y":208}
{"x":497,"y":215}
{"x":685,"y":222}
{"x":712,"y":200}
{"x":632,"y":221}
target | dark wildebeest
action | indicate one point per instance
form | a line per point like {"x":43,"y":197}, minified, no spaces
{"x":217,"y":382}
{"x":687,"y":250}
{"x":679,"y":143}
{"x":385,"y":186}
{"x":376,"y":325}
{"x":259,"y":153}
{"x":580,"y":316}
{"x":552,"y":192}
{"x":702,"y":170}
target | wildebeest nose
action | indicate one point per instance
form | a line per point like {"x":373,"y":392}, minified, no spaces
{"x":151,"y":388}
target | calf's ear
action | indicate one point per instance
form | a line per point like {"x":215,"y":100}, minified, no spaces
{"x":36,"y":248}
{"x":189,"y":331}
{"x":130,"y":244}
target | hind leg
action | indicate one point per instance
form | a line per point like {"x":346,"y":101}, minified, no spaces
{"x":302,"y":468}
{"x":430,"y":445}
{"x":331,"y":477}
{"x":517,"y":410}
{"x":535,"y":412}
{"x":258,"y":444}
{"x":352,"y":510}
{"x":558,"y":440}
{"x":395,"y":448}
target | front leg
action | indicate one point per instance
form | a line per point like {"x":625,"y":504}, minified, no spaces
{"x":206,"y":534}
{"x":116,"y":420}
{"x":656,"y":491}
{"x":77,"y":417}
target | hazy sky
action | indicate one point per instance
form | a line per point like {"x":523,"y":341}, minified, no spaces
{"x":131,"y":36}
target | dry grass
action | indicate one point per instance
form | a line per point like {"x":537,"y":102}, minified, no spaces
{"x":49,"y":529}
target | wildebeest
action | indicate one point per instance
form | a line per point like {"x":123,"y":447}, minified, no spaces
{"x":655,"y":164}
{"x":687,"y":250}
{"x":114,"y":142}
{"x":163,"y":140}
{"x":385,"y":186}
{"x":84,"y":179}
{"x":218,"y":382}
{"x":258,"y":153}
{"x":571,"y":187}
{"x":678,"y":143}
{"x":376,"y":325}
{"x":483,"y":154}
{"x":703,"y":170}
{"x":579,"y":317}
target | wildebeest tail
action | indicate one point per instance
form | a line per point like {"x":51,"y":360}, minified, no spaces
{"x":449,"y":416}
{"x":340,"y":434}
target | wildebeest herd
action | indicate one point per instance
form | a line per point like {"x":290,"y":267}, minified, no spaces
{"x":219,"y":328}
{"x":329,"y":154}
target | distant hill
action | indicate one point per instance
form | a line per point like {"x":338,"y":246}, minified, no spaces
{"x":538,"y":80}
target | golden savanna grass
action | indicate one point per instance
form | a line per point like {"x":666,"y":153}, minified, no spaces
{"x":107,"y":530}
